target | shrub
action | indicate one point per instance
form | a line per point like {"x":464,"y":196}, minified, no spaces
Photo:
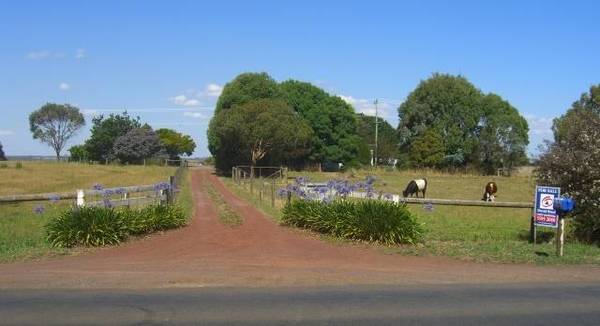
{"x":19,"y":165}
{"x":154,"y":218}
{"x":371,"y":220}
{"x":100,"y":226}
{"x":88,"y":226}
{"x":573,"y":163}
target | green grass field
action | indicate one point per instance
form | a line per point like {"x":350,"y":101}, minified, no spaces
{"x":22,"y":230}
{"x":470,"y":233}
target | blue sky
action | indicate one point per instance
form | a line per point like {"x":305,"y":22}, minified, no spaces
{"x":166,"y":61}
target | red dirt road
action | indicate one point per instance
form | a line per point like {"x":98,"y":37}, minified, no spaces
{"x":257,"y":253}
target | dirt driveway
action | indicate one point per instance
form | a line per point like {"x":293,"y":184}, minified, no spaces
{"x":257,"y":253}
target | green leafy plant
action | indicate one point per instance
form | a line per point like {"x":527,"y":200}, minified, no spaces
{"x":19,"y":165}
{"x":371,"y":220}
{"x":101,"y":226}
{"x":87,"y":226}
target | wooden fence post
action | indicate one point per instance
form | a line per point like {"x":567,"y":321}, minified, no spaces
{"x":170,"y":191}
{"x":80,"y":198}
{"x":273,"y":193}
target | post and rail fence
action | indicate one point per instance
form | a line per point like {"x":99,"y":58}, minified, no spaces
{"x":163,"y":192}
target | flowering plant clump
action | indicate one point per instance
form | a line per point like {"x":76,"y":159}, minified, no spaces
{"x":331,"y":190}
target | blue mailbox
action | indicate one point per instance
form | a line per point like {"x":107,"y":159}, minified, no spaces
{"x":564,"y":205}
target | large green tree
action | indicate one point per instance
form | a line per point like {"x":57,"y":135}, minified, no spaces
{"x":387,"y":137}
{"x":589,"y":101}
{"x":450,"y":104}
{"x":258,"y":131}
{"x":104,"y":133}
{"x":477,"y":129}
{"x":54,"y":124}
{"x":332,"y":120}
{"x":175,"y":143}
{"x":503,"y":136}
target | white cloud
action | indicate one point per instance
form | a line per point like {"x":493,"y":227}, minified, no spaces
{"x":4,"y":132}
{"x":195,"y":115}
{"x":539,"y":126}
{"x":39,"y":55}
{"x":213,"y":90}
{"x":64,"y":86}
{"x":80,"y":54}
{"x":386,"y":108}
{"x":184,"y":100}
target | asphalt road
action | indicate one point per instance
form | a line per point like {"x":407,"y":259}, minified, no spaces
{"x":573,"y":304}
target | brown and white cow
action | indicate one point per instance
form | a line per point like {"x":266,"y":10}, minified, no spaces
{"x":490,"y":191}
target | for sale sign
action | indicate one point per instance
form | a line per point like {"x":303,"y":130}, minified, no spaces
{"x":544,"y":213}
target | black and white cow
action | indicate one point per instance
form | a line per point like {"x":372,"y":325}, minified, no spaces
{"x":414,"y":186}
{"x":490,"y":191}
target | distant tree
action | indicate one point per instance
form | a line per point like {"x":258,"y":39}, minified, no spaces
{"x":78,"y":153}
{"x":2,"y":156}
{"x":573,"y":163}
{"x":136,"y":145}
{"x":503,"y":136}
{"x":587,"y":102}
{"x":104,"y":133}
{"x":450,"y":104}
{"x":332,"y":120}
{"x":175,"y":143}
{"x":260,"y":130}
{"x":428,"y":150}
{"x":387,"y":138}
{"x":55,"y":124}
{"x":482,"y":130}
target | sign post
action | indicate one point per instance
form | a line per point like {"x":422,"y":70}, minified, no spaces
{"x":544,"y":213}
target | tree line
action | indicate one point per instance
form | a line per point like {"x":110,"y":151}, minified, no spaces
{"x":117,"y":137}
{"x":446,"y":122}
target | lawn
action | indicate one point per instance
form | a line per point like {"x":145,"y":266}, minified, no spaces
{"x":469,"y":233}
{"x":22,"y":229}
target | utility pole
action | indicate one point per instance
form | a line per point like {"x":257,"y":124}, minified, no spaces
{"x":376,"y":132}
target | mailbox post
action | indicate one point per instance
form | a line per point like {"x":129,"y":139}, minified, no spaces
{"x":563,"y":206}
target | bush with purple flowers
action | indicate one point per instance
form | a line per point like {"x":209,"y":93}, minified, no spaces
{"x":369,"y":220}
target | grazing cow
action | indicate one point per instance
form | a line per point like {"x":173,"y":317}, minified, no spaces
{"x":414,"y":186}
{"x":490,"y":192}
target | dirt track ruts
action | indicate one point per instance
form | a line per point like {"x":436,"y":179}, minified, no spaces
{"x":258,"y":253}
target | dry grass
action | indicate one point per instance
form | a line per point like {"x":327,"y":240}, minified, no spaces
{"x":42,"y":177}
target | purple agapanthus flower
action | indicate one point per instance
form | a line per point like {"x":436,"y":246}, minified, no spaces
{"x":120,"y":191}
{"x":162,"y":186}
{"x":370,"y":180}
{"x":97,"y":186}
{"x":54,"y":198}
{"x":107,"y":193}
{"x":428,"y":207}
{"x":107,"y":203}
{"x":282,"y":192}
{"x":39,"y":209}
